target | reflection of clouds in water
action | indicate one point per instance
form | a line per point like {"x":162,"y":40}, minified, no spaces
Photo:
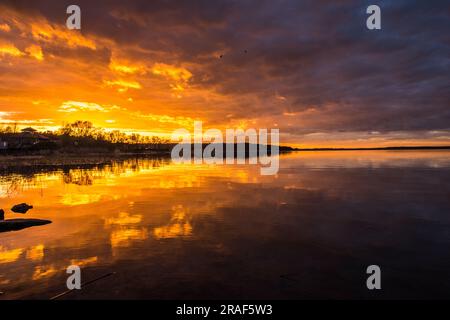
{"x":167,"y":202}
{"x":44,"y":271}
{"x":84,"y":262}
{"x":124,"y":237}
{"x":124,"y":230}
{"x":36,"y":253}
{"x":14,"y":184}
{"x":124,"y":218}
{"x":179,"y":225}
{"x":75,"y":199}
{"x":4,"y":281}
{"x":178,"y":229}
{"x":366,"y":159}
{"x":7,"y":256}
{"x":27,"y":178}
{"x":41,"y":271}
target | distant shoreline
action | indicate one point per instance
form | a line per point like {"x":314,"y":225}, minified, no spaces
{"x":57,"y":160}
{"x":375,"y":148}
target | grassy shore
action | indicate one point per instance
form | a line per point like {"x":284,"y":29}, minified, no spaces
{"x":62,"y":160}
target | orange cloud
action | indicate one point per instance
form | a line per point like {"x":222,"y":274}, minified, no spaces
{"x":5,"y":27}
{"x":179,"y":75}
{"x":123,"y":85}
{"x":51,"y":75}
{"x":179,"y":225}
{"x":74,"y":106}
{"x":44,"y":31}
{"x":35,"y":52}
{"x":10,"y":50}
{"x":126,"y":67}
{"x":185,"y":122}
{"x":44,"y":272}
{"x":171,"y":72}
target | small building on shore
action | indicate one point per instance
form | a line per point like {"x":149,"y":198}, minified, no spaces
{"x":27,"y":139}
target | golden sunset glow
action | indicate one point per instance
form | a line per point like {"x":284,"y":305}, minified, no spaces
{"x":36,"y":253}
{"x":84,"y":262}
{"x":179,"y":225}
{"x":124,"y":219}
{"x":148,"y":210}
{"x":125,"y":237}
{"x":44,"y":271}
{"x":7,"y":256}
{"x":4,"y":27}
{"x":138,"y":82}
{"x":43,"y":31}
{"x":35,"y":52}
{"x":9,"y":49}
{"x":125,"y":67}
{"x":173,"y":150}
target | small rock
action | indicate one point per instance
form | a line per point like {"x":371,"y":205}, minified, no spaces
{"x":21,"y":208}
{"x":2,"y":214}
{"x":19,"y":224}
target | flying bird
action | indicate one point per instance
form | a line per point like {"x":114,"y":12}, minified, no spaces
{"x":221,"y":56}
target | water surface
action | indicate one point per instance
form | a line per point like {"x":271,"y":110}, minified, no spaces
{"x":203,"y":231}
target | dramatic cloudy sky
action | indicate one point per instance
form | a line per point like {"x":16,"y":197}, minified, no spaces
{"x":309,"y":68}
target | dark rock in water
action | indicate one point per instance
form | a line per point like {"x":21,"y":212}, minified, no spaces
{"x":21,"y":208}
{"x":19,"y":224}
{"x":2,"y":214}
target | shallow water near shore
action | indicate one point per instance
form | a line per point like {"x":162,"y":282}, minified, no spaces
{"x":191,"y":231}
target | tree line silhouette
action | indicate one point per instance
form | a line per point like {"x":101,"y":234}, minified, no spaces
{"x":79,"y":134}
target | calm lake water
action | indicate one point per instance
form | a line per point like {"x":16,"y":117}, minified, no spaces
{"x":202,"y":231}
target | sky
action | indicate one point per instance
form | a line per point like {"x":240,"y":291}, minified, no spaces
{"x":308,"y":68}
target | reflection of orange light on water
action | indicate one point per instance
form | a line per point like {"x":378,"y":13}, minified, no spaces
{"x":123,"y":237}
{"x":35,"y":253}
{"x":83,"y":262}
{"x":3,"y":280}
{"x":75,"y":199}
{"x":124,"y":218}
{"x":178,"y":226}
{"x":43,"y":272}
{"x":123,"y":233}
{"x":9,"y":255}
{"x":173,"y":231}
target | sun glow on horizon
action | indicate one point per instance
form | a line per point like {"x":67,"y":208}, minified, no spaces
{"x":53,"y":75}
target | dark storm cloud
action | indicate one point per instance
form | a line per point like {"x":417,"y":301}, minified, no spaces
{"x":316,"y":54}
